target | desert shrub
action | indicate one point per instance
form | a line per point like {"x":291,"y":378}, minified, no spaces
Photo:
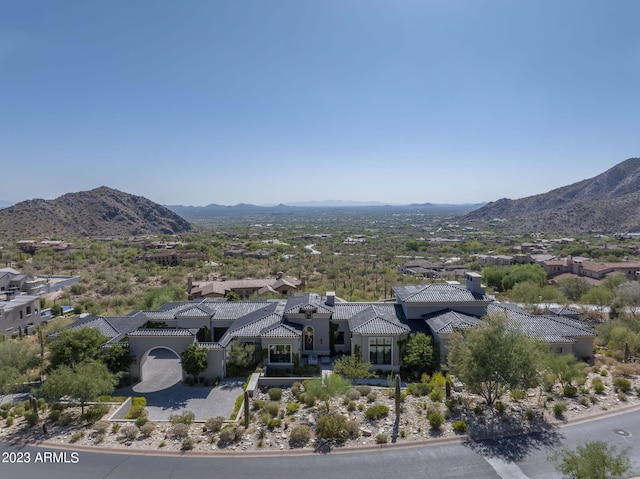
{"x":436,"y":395}
{"x":179,"y":430}
{"x":147,"y":429}
{"x":58,"y":407}
{"x":478,"y":409}
{"x":5,"y":406}
{"x":308,"y":399}
{"x":229,"y":434}
{"x":597,"y":385}
{"x":382,"y":439}
{"x":376,"y":412}
{"x":419,"y":389}
{"x":275,"y":394}
{"x":214,"y":424}
{"x":115,"y":427}
{"x":95,"y":412}
{"x":9,"y":421}
{"x":274,"y":422}
{"x":292,"y":408}
{"x":584,"y":401}
{"x":436,"y":420}
{"x":364,"y":389}
{"x":139,"y":401}
{"x":18,"y":411}
{"x":353,"y":394}
{"x":559,"y":409}
{"x":299,"y":436}
{"x":332,"y":426}
{"x":100,"y":438}
{"x":32,"y":418}
{"x":257,"y":404}
{"x":188,"y":443}
{"x":621,"y":385}
{"x":129,"y":431}
{"x":501,"y":407}
{"x":353,"y":428}
{"x":569,"y":391}
{"x":622,"y":397}
{"x":459,"y":426}
{"x":135,"y":412}
{"x":273,"y":408}
{"x":517,"y":394}
{"x":296,"y":389}
{"x":101,"y":427}
{"x":604,"y":372}
{"x":529,"y":415}
{"x":141,"y":421}
{"x":76,"y":436}
{"x":351,"y":406}
{"x":65,"y":419}
{"x":186,"y":417}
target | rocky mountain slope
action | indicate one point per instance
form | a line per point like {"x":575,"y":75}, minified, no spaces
{"x":607,"y":203}
{"x":99,"y":212}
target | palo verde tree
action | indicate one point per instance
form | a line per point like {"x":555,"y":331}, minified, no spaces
{"x":73,"y":346}
{"x":353,"y":368}
{"x":82,"y":382}
{"x":593,"y":460}
{"x":194,"y":360}
{"x":494,"y":358}
{"x":17,"y":358}
{"x":327,"y":387}
{"x":418,"y":355}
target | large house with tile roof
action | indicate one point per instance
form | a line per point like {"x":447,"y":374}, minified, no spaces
{"x":311,"y":326}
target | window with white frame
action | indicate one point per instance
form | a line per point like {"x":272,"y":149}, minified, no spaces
{"x":280,"y":353}
{"x":380,"y":350}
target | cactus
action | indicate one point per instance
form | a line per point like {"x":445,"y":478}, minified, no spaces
{"x":246,"y":409}
{"x":397,"y":397}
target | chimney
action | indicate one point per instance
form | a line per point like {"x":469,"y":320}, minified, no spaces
{"x":331,"y":298}
{"x":279,"y":274}
{"x":474,"y":283}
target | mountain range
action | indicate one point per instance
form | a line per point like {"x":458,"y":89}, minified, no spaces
{"x":99,"y":212}
{"x":606,"y":203}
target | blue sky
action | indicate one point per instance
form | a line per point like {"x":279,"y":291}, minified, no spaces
{"x":268,"y":101}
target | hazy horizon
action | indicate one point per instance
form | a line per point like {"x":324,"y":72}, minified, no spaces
{"x":287,"y":101}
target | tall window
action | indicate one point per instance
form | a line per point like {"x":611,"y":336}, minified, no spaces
{"x":280,"y":353}
{"x":380,"y":350}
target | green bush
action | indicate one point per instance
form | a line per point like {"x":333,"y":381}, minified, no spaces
{"x":364,"y":389}
{"x":275,"y":394}
{"x":257,"y":404}
{"x":597,"y":385}
{"x":186,"y":417}
{"x":76,"y":436}
{"x":559,"y":409}
{"x":179,"y":430}
{"x":529,"y":415}
{"x":353,"y":394}
{"x":570,"y":391}
{"x":376,"y":411}
{"x":214,"y":424}
{"x":372,"y":396}
{"x":32,"y":418}
{"x":292,"y":408}
{"x":95,"y":412}
{"x":437,"y":395}
{"x":419,"y":389}
{"x":332,"y":427}
{"x":501,"y":407}
{"x":382,"y":439}
{"x":141,"y":421}
{"x":299,"y":436}
{"x":308,"y":399}
{"x":9,"y":421}
{"x":274,"y":422}
{"x":135,"y":412}
{"x":459,"y":426}
{"x":188,"y":443}
{"x":147,"y":429}
{"x":621,"y":385}
{"x":351,"y":406}
{"x":436,"y":420}
{"x":296,"y":389}
{"x":139,"y":401}
{"x":273,"y":408}
{"x":229,"y":434}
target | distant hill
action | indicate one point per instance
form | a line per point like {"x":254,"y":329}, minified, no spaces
{"x":202,"y":214}
{"x":99,"y":212}
{"x":607,"y":203}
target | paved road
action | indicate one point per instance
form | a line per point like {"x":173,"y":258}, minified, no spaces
{"x":518,"y":457}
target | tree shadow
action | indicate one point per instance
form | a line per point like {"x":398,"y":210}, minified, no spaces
{"x":511,"y":438}
{"x":396,"y":429}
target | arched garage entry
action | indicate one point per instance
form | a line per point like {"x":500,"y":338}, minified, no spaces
{"x":160,"y":369}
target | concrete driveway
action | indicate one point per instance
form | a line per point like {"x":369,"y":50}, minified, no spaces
{"x":166,"y":394}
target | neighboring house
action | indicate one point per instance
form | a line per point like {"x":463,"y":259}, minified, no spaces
{"x":12,"y":283}
{"x":281,"y":284}
{"x":31,"y":246}
{"x":311,"y":325}
{"x":590,"y":270}
{"x":19,"y":314}
{"x":173,"y":257}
